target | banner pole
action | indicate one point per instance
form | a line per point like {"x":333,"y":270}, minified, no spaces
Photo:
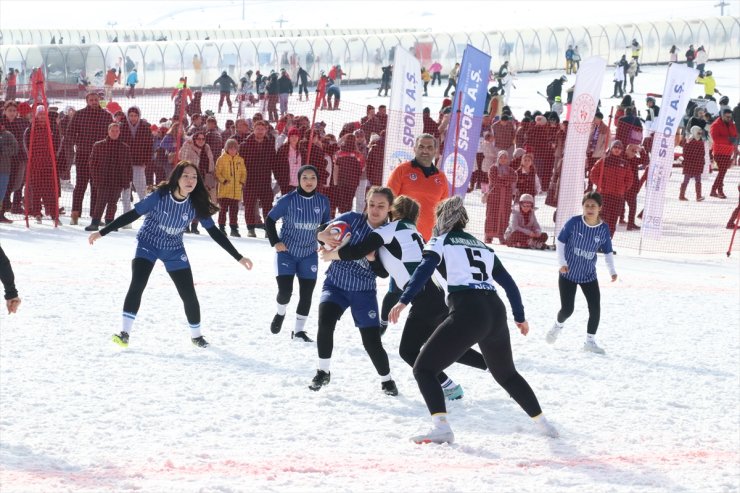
{"x":734,"y":231}
{"x":457,"y":136}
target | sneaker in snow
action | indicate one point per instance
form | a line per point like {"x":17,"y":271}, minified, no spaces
{"x":552,"y":334}
{"x":301,"y":335}
{"x":121,"y":339}
{"x":435,"y":435}
{"x":546,"y":428}
{"x":277,"y":323}
{"x":199,"y":341}
{"x":591,"y":347}
{"x":389,"y":388}
{"x":454,"y":393}
{"x":321,"y":379}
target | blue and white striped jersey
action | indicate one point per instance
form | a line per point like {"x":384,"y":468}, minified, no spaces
{"x":581,"y":244}
{"x":301,"y":216}
{"x":166,"y":219}
{"x":353,"y":275}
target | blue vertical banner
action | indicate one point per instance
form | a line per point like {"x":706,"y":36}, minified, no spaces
{"x":472,"y":83}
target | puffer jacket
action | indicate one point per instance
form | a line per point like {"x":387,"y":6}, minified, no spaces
{"x":8,"y":149}
{"x":231,"y":175}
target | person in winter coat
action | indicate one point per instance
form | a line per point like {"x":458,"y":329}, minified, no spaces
{"x":693,"y":163}
{"x":527,"y":181}
{"x":231,"y":176}
{"x":111,"y":78}
{"x":385,"y":80}
{"x":16,"y":126}
{"x":89,"y":125}
{"x":198,"y":152}
{"x":501,"y":180}
{"x":569,"y":60}
{"x":348,"y":166}
{"x":637,"y":157}
{"x":436,"y":70}
{"x":8,"y":149}
{"x":224,"y":84}
{"x":632,"y":73}
{"x":452,"y":79}
{"x":273,"y":95}
{"x":710,"y":85}
{"x":598,"y":141}
{"x":524,"y":231}
{"x":629,"y":127}
{"x":690,"y":56}
{"x":555,"y":88}
{"x":131,"y":81}
{"x":618,"y":81}
{"x":425,"y":78}
{"x":285,"y":89}
{"x":110,"y":168}
{"x":136,"y":133}
{"x":258,"y":151}
{"x":613,"y":179}
{"x":302,"y":81}
{"x":724,"y":145}
{"x":43,"y":180}
{"x":504,"y":133}
{"x":701,"y":60}
{"x":289,"y":159}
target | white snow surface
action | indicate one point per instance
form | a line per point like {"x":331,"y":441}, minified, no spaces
{"x":78,"y":413}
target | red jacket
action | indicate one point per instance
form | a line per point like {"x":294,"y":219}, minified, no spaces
{"x":693,"y":157}
{"x":721,"y":133}
{"x":612,"y":176}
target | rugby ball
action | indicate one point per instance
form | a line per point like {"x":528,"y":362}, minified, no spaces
{"x":341,"y":231}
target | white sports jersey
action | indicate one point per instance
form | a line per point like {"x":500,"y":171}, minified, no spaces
{"x":401,"y":251}
{"x":465,"y":262}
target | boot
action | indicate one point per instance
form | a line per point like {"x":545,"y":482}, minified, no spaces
{"x":74,"y":218}
{"x":699,"y":198}
{"x":3,"y":219}
{"x":222,"y":228}
{"x":251,"y":233}
{"x":235,"y":231}
{"x":682,"y":195}
{"x":94,"y":225}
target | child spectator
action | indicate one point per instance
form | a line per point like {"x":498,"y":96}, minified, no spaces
{"x":524,"y":231}
{"x":231,"y":175}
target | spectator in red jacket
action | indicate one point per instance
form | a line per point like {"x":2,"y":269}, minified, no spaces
{"x":43,"y":181}
{"x":613,"y":179}
{"x":289,"y":159}
{"x":348,"y":166}
{"x":258,"y":151}
{"x":693,"y":162}
{"x":724,"y":145}
{"x":375,"y":154}
{"x":637,"y":158}
{"x":14,"y":123}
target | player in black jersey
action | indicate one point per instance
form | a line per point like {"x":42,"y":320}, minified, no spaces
{"x":476,"y":316}
{"x":399,"y":246}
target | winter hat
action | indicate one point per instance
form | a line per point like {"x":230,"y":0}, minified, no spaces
{"x":446,"y":102}
{"x":519,"y":152}
{"x":526,"y":198}
{"x":24,"y":109}
{"x":696,"y":132}
{"x":154,"y":127}
{"x":134,"y":109}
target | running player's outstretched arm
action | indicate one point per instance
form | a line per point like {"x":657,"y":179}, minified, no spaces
{"x":504,"y":279}
{"x":224,"y":242}
{"x":119,"y":222}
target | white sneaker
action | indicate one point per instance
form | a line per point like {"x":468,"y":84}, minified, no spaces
{"x":435,"y":435}
{"x":546,"y":428}
{"x":554,"y":332}
{"x":591,"y":347}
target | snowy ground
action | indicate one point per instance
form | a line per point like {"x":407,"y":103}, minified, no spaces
{"x":77,"y":413}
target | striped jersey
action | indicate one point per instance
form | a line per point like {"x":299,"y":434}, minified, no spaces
{"x":401,"y":250}
{"x":464,"y":261}
{"x":581,"y":244}
{"x":301,"y":216}
{"x":166,"y":219}
{"x":353,"y":275}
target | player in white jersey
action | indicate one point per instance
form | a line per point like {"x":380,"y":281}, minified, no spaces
{"x":476,"y":316}
{"x":169,"y":211}
{"x":578,"y":243}
{"x":400,"y":249}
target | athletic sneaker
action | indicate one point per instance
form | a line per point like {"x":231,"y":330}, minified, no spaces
{"x":121,"y":339}
{"x":199,"y":341}
{"x":546,"y":428}
{"x":435,"y":435}
{"x":454,"y":393}
{"x":277,"y":323}
{"x":554,"y":332}
{"x":592,"y":347}
{"x":301,"y":336}
{"x":321,"y":379}
{"x":389,"y":388}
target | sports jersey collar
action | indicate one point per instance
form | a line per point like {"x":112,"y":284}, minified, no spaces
{"x":428,"y":171}
{"x":588,"y":225}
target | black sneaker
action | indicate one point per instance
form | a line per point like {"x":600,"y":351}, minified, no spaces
{"x":194,"y":229}
{"x":199,"y":341}
{"x":121,"y":339}
{"x":277,"y":323}
{"x":389,"y":388}
{"x":321,"y":379}
{"x":301,"y":335}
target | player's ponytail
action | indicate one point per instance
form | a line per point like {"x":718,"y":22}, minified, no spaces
{"x":405,"y":208}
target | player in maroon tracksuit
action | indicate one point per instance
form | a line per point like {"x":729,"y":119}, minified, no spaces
{"x":258,"y":152}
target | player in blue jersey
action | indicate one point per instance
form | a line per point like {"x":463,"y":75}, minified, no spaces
{"x":169,"y":211}
{"x":476,"y":316}
{"x":578,"y":241}
{"x":303,"y":210}
{"x":400,"y":247}
{"x":351,"y":284}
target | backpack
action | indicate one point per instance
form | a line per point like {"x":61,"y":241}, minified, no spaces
{"x":551,"y":90}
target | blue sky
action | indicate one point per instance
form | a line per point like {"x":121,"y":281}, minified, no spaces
{"x":424,"y":14}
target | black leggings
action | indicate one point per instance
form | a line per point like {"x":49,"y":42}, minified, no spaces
{"x":329,"y":315}
{"x":474,"y":317}
{"x":305,"y":290}
{"x":568,"y":296}
{"x":427,"y":312}
{"x":183,"y":279}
